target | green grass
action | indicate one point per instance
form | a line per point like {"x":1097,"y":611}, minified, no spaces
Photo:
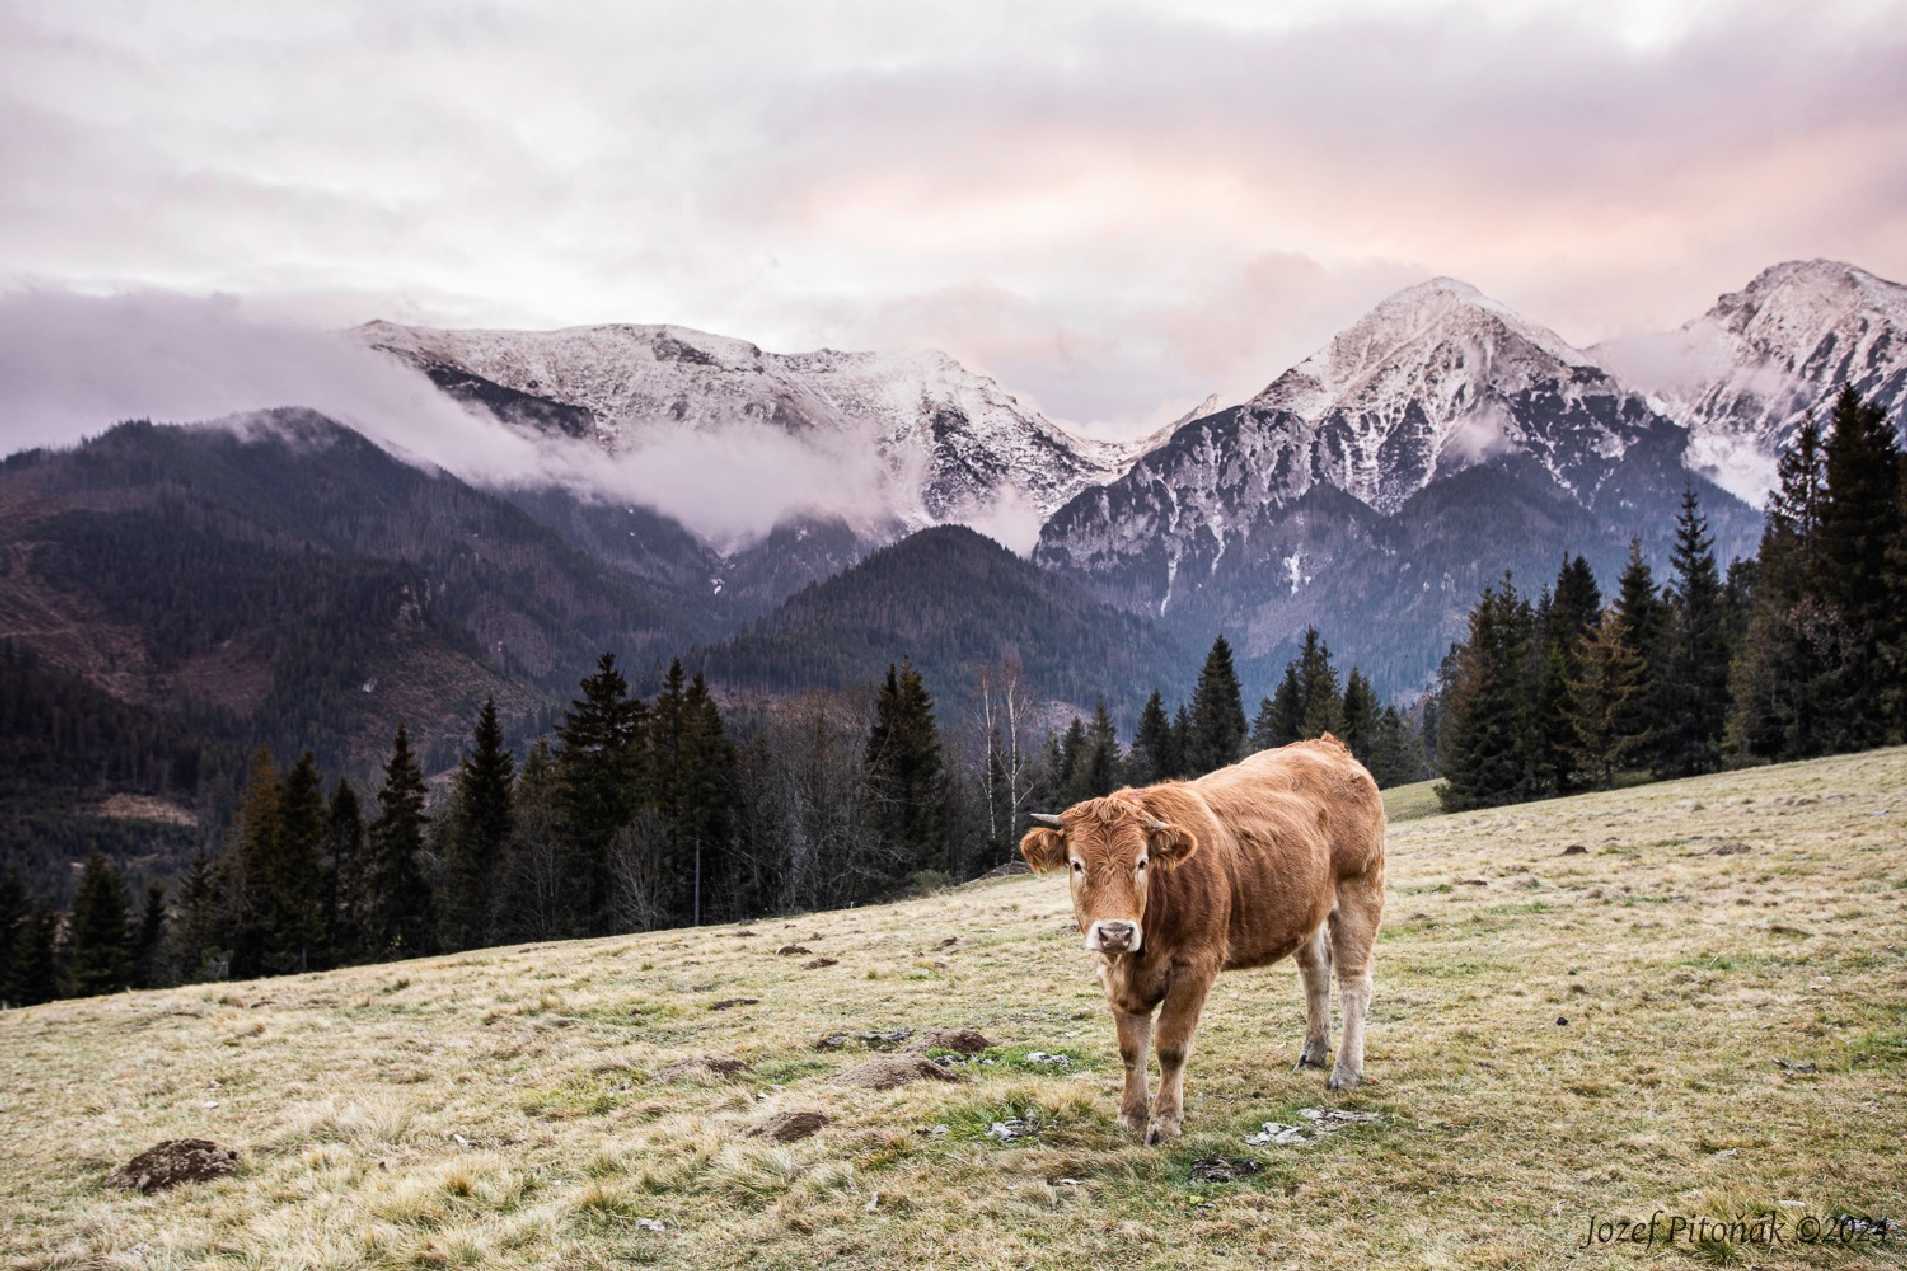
{"x":1634,"y":1028}
{"x":1408,"y":803}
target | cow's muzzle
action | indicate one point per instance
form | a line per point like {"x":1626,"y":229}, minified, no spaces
{"x":1113,"y":935}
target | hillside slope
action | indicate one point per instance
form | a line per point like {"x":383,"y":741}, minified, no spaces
{"x":1700,"y":1014}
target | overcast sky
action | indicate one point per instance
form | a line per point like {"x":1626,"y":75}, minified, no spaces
{"x":1113,"y":209}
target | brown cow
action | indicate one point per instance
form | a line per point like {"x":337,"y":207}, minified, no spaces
{"x":1281,"y":853}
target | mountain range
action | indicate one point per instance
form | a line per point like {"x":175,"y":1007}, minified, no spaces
{"x":285,"y":572}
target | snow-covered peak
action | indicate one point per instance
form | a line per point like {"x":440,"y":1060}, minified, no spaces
{"x":959,"y":446}
{"x":1743,"y":375}
{"x":1441,"y":344}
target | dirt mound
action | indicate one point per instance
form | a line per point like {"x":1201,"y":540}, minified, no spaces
{"x":966,"y":1041}
{"x":173,"y":1162}
{"x":884,"y":1072}
{"x":790,"y":1126}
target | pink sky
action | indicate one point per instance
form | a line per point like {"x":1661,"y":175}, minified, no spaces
{"x":1113,"y":209}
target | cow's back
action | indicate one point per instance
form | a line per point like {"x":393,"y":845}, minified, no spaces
{"x":1292,"y":824}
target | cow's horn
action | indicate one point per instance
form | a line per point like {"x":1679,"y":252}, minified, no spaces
{"x":1046,"y":818}
{"x":1154,"y":823}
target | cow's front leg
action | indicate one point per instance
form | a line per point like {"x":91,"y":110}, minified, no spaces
{"x":1178,"y":1020}
{"x":1135,"y":1037}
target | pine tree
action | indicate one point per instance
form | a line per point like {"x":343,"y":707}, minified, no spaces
{"x":1695,"y":684}
{"x":296,"y":909}
{"x":1217,"y":731}
{"x":101,"y":941}
{"x":1860,"y":523}
{"x":1070,"y":776}
{"x":531,"y":907}
{"x":346,"y":897}
{"x":1358,"y":725}
{"x":1609,"y":675}
{"x":1323,"y":707}
{"x":400,"y":925}
{"x":479,"y":834}
{"x":149,"y":941}
{"x":34,"y":962}
{"x":1151,"y":744}
{"x":599,"y":761}
{"x":250,"y":872}
{"x":903,"y":764}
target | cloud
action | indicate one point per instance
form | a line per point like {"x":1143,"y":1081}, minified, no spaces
{"x":71,"y":366}
{"x":1112,"y":209}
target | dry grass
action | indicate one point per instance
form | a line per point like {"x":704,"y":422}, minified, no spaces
{"x":507,"y":1108}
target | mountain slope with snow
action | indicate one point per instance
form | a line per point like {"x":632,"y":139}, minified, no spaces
{"x":955,"y":445}
{"x":1742,"y":376}
{"x":1375,"y":487}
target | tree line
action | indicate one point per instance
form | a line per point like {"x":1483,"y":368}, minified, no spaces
{"x":637,"y":814}
{"x":1798,"y":651}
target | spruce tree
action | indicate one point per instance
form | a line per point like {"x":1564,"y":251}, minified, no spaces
{"x":708,"y":797}
{"x":198,"y":946}
{"x":1609,"y":675}
{"x":1103,"y":760}
{"x":600,"y":764}
{"x":1694,"y":689}
{"x":1217,"y":730}
{"x":1860,"y":523}
{"x":531,"y":907}
{"x":346,"y":896}
{"x":13,"y":908}
{"x":1644,"y":628}
{"x":1070,"y":776}
{"x":1286,"y":724}
{"x":479,"y":834}
{"x":1360,"y":716}
{"x":1397,"y":756}
{"x":1181,"y":765}
{"x":1781,"y":671}
{"x":1483,"y":732}
{"x":1323,"y":707}
{"x":251,"y":871}
{"x":149,"y":941}
{"x":400,"y":913}
{"x":101,"y":940}
{"x":905,"y":778}
{"x":296,"y":908}
{"x":1151,"y":744}
{"x":34,"y":965}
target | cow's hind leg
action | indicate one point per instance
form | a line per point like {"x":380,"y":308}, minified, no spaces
{"x":1314,"y":965}
{"x":1135,"y":1037}
{"x":1353,"y":939}
{"x":1178,"y":1021}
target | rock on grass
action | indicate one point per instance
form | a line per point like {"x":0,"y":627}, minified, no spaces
{"x":173,"y":1162}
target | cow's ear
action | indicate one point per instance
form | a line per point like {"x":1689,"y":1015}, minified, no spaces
{"x":1170,"y":844}
{"x":1044,"y":849}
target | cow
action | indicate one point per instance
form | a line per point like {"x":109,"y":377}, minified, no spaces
{"x":1280,"y":853}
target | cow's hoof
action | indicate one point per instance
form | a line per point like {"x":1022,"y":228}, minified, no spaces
{"x":1134,"y":1121}
{"x":1163,"y":1130}
{"x":1313,"y":1055}
{"x":1341,"y":1080}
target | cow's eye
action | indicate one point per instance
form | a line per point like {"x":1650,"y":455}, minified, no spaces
{"x":1142,"y":862}
{"x":1078,"y":868}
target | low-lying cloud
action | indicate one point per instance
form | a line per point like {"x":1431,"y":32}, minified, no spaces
{"x":71,"y":366}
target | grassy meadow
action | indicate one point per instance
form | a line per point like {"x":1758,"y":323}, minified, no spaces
{"x":1703,"y":1012}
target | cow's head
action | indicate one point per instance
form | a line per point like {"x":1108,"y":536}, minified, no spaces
{"x":1111,"y":848}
